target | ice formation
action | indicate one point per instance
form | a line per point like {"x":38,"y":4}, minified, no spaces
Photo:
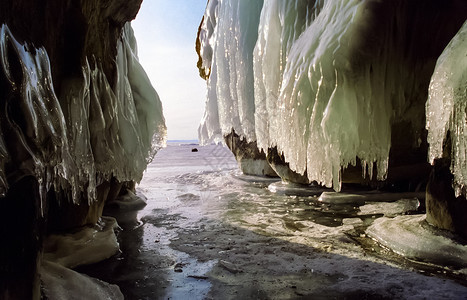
{"x":293,"y":189}
{"x":332,"y":79}
{"x":87,"y":246}
{"x":129,"y":201}
{"x":367,"y":196}
{"x":40,"y":131}
{"x":90,"y":129}
{"x":116,"y":131}
{"x":448,"y":91}
{"x":62,"y":283}
{"x":410,"y":236}
{"x":390,"y":209}
{"x":228,"y":55}
{"x":302,"y":71}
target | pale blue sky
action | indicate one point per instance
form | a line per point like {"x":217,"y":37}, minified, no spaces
{"x":166,"y":34}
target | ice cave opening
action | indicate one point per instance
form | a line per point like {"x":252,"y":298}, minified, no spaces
{"x":331,"y":159}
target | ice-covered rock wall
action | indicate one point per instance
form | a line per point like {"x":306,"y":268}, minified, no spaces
{"x":446,"y":109}
{"x":33,"y":139}
{"x":114,"y":130}
{"x":226,"y":62}
{"x":446,"y":205}
{"x":336,"y":83}
{"x":93,"y":133}
{"x":230,"y":82}
{"x":79,"y":122}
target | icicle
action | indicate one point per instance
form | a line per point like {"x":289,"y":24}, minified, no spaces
{"x":446,"y":109}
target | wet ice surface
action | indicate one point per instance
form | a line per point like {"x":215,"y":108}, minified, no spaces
{"x":209,"y":232}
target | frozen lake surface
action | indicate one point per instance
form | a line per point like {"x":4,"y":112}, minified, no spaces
{"x":209,"y":232}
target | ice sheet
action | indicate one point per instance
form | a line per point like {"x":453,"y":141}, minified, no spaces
{"x":367,"y":196}
{"x":412,"y":237}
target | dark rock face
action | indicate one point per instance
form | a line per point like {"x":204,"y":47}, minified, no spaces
{"x":23,"y":132}
{"x":443,"y":209}
{"x":71,"y":30}
{"x":22,"y":227}
{"x":281,"y":167}
{"x":202,"y":72}
{"x":250,"y":160}
{"x":415,"y":47}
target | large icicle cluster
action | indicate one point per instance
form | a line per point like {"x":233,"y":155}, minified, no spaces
{"x":115,"y":131}
{"x":90,"y":133}
{"x":446,"y":109}
{"x":230,"y":103}
{"x":332,"y":79}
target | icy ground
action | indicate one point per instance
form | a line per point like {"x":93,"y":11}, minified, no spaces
{"x":209,"y":232}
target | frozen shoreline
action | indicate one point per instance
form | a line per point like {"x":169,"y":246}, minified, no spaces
{"x":208,"y":232}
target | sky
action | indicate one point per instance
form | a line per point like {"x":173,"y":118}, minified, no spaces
{"x":166,"y":31}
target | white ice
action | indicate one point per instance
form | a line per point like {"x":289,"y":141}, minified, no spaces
{"x":228,"y":36}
